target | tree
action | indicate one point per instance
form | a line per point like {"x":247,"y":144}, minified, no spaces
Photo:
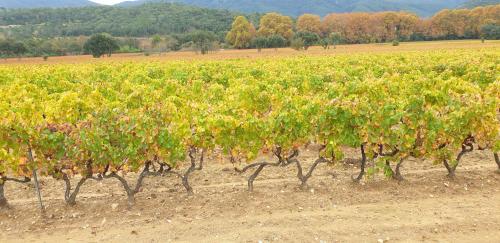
{"x":155,"y":42}
{"x":463,"y":23}
{"x":335,"y":38}
{"x":100,"y":44}
{"x":372,"y":27}
{"x":241,"y":34}
{"x":491,"y":32}
{"x":309,"y":23}
{"x":19,"y":48}
{"x":259,"y":43}
{"x":325,"y":43}
{"x":308,"y":38}
{"x":203,"y":41}
{"x":276,"y":24}
{"x":388,"y":26}
{"x":10,"y":47}
{"x":276,"y":41}
{"x":171,"y":43}
{"x":6,"y":48}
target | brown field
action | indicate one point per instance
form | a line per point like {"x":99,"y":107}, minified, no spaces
{"x":426,"y":207}
{"x":269,"y":53}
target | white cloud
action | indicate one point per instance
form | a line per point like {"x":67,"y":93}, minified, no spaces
{"x":108,"y":2}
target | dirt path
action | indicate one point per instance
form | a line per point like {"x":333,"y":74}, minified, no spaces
{"x":427,"y":207}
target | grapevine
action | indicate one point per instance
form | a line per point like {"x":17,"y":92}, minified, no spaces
{"x":102,"y":121}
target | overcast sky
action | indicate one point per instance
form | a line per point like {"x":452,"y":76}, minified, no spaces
{"x":107,"y":1}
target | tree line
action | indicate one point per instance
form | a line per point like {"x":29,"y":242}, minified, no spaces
{"x":356,"y":28}
{"x":273,"y":31}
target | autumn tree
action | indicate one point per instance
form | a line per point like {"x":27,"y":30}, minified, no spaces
{"x":309,"y":23}
{"x":371,"y":27}
{"x":276,"y":24}
{"x":241,"y":34}
{"x":463,"y":23}
{"x":483,"y":16}
{"x":449,"y":24}
{"x":388,"y":26}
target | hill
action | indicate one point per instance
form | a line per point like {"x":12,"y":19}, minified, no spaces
{"x":321,"y":7}
{"x":45,"y":3}
{"x":144,"y":20}
{"x":478,"y":3}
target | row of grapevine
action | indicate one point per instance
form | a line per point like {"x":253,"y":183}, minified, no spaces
{"x":101,"y":121}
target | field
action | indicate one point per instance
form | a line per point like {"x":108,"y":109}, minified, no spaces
{"x":364,"y":143}
{"x":269,"y":53}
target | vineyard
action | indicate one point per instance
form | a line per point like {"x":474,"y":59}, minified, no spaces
{"x":102,"y":121}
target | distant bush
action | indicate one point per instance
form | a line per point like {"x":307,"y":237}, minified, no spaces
{"x":297,"y":44}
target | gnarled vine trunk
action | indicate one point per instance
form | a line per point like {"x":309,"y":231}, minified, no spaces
{"x":363,"y":165}
{"x":191,"y":169}
{"x":70,"y":197}
{"x":282,"y":161}
{"x":396,"y":173}
{"x":131,"y":192}
{"x":3,"y":200}
{"x":497,"y":159}
{"x":304,"y":178}
{"x":467,"y":147}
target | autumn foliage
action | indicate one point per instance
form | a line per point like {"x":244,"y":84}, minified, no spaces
{"x":276,"y":24}
{"x":362,"y":27}
{"x":241,"y":34}
{"x":463,"y":23}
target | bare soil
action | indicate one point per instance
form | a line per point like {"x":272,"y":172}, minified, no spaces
{"x":426,"y":207}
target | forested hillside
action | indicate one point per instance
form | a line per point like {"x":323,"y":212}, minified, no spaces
{"x":477,"y":3}
{"x":45,"y":3}
{"x":320,"y":7}
{"x":290,"y":7}
{"x":144,"y":20}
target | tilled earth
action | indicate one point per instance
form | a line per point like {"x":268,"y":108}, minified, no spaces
{"x":426,"y":207}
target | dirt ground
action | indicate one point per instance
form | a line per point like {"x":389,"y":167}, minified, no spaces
{"x":426,"y":207}
{"x":266,"y":53}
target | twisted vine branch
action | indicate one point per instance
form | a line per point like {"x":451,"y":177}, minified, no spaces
{"x":282,"y":161}
{"x":3,"y":200}
{"x":467,"y":147}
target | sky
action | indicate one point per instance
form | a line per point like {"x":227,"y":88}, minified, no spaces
{"x":109,"y":2}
